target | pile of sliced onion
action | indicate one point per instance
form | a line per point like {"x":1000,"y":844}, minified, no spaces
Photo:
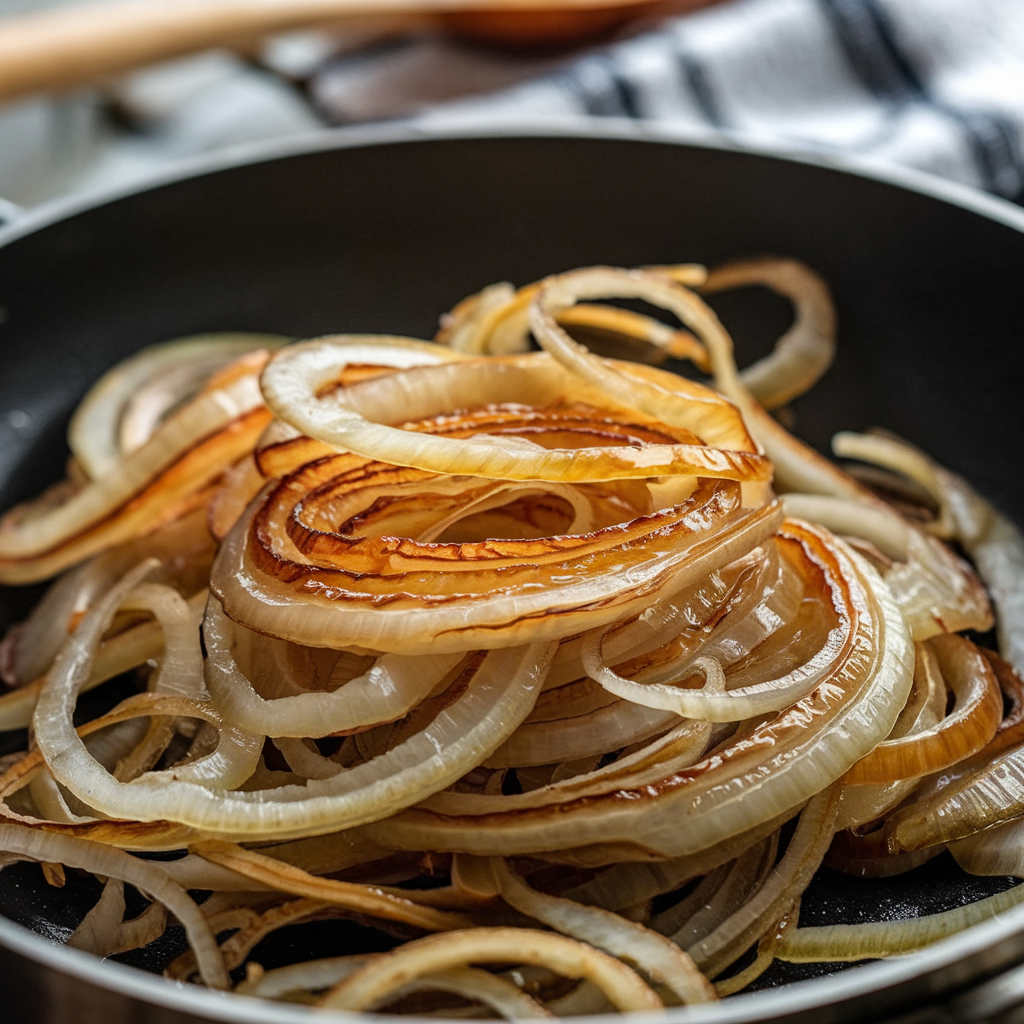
{"x":492,"y":648}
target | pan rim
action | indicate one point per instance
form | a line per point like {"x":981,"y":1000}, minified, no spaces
{"x":609,"y":129}
{"x":801,"y":997}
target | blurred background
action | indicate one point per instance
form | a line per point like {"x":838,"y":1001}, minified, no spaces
{"x":932,"y":84}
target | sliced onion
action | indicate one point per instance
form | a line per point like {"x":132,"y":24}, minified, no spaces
{"x":868,"y":855}
{"x":657,"y":957}
{"x":678,"y":748}
{"x":722,"y":892}
{"x":776,"y":898}
{"x":159,"y":482}
{"x":356,"y":418}
{"x":496,"y":320}
{"x":923,"y":711}
{"x":742,"y":626}
{"x":103,"y":930}
{"x":392,"y":686}
{"x":839,"y":942}
{"x":122,"y":410}
{"x":968,"y":728}
{"x":381,"y":977}
{"x":936,"y":591}
{"x":493,"y":703}
{"x":987,"y":535}
{"x":478,"y":986}
{"x":803,"y":354}
{"x":362,"y":899}
{"x":239,"y":485}
{"x":487,"y":595}
{"x":146,"y":876}
{"x":616,"y":725}
{"x":122,"y":652}
{"x":981,"y":792}
{"x":253,"y":926}
{"x":185,"y":551}
{"x":994,"y":851}
{"x":691,"y":408}
{"x":305,"y":976}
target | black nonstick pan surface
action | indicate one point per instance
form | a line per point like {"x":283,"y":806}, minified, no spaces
{"x":381,"y":231}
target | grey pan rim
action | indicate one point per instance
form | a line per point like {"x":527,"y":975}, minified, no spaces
{"x":979,"y":943}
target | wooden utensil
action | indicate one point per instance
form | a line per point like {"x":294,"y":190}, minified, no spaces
{"x":63,"y":48}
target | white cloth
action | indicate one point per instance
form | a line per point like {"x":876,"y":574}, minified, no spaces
{"x":933,"y":84}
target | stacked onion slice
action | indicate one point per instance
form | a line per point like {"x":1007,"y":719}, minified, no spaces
{"x":492,"y":648}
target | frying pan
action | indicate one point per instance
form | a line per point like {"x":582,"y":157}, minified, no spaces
{"x":379,"y":231}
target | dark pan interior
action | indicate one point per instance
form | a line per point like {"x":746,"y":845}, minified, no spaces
{"x":385,"y":237}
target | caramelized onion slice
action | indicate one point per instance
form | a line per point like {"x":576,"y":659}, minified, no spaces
{"x":156,"y":484}
{"x":364,"y":899}
{"x":146,"y":876}
{"x":266,"y":584}
{"x":969,"y":727}
{"x":717,"y":422}
{"x":989,"y":537}
{"x":937,"y":592}
{"x":496,"y":320}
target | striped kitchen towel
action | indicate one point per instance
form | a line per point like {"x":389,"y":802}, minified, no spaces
{"x":933,"y":84}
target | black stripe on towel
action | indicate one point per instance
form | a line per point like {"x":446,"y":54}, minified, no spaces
{"x":696,"y":77}
{"x":870,"y":44}
{"x":602,"y":89}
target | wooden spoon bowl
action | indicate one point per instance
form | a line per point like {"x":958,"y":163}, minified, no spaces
{"x":546,"y":29}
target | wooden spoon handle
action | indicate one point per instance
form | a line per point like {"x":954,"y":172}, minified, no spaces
{"x":59,"y":49}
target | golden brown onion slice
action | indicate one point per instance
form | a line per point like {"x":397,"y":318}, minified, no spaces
{"x":380,"y":978}
{"x":164,"y":479}
{"x":969,"y":727}
{"x":415,"y":598}
{"x":496,"y":320}
{"x":126,"y":406}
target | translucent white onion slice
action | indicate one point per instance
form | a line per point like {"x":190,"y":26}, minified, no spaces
{"x":356,"y":418}
{"x":497,"y":698}
{"x":392,"y":686}
{"x":656,"y":956}
{"x":803,"y":354}
{"x":851,"y":942}
{"x":146,"y":876}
